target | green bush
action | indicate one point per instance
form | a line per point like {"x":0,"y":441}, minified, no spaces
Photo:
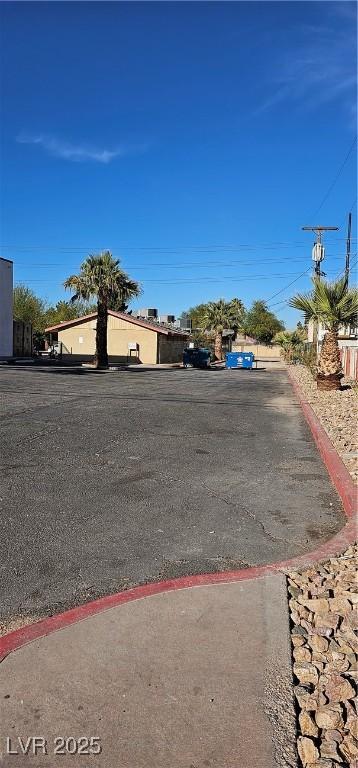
{"x":308,"y":357}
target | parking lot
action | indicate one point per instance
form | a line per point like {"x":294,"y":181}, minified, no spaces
{"x":123,"y":477}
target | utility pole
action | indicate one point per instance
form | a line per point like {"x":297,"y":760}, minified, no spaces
{"x":318,"y":253}
{"x":318,"y":250}
{"x":348,"y":252}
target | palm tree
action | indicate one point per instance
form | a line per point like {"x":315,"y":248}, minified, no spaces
{"x":332,"y":305}
{"x":101,"y":276}
{"x":291,"y":343}
{"x":237,"y":314}
{"x":129,"y":288}
{"x":219,"y":315}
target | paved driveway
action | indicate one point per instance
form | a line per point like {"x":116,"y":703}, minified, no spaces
{"x":118,"y":478}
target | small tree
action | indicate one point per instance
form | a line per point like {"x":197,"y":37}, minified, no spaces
{"x":29,"y":308}
{"x":68,"y":310}
{"x":332,"y":305}
{"x":101,"y":277}
{"x":260,"y":323}
{"x":291,"y":343}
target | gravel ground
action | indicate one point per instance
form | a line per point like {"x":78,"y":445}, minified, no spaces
{"x":323,"y":608}
{"x":338,"y":413}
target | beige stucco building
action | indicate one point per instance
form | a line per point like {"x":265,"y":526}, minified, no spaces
{"x":129,"y":340}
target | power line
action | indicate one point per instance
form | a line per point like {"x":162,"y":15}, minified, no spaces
{"x":343,"y":271}
{"x":159,"y":249}
{"x":205,"y":263}
{"x":353,"y":204}
{"x":178,"y":281}
{"x":289,"y":285}
{"x":269,"y":245}
{"x":337,"y":176}
{"x":286,"y":301}
{"x":176,"y":265}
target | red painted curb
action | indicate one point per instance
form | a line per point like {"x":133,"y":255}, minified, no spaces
{"x":336,"y":468}
{"x":341,"y":541}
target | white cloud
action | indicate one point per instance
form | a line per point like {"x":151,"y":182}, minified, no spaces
{"x":74,"y":152}
{"x":318,"y":68}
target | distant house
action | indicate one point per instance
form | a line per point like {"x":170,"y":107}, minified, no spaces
{"x":348,"y":345}
{"x":347,"y":336}
{"x":129,"y":339}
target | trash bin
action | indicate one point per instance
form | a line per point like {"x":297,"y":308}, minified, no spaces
{"x":239,"y":360}
{"x":196,"y":357}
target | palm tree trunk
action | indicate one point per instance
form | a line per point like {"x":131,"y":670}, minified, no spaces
{"x":218,"y":345}
{"x":101,"y":356}
{"x":329,"y":371}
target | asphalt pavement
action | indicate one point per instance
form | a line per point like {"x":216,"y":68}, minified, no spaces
{"x":114,"y":479}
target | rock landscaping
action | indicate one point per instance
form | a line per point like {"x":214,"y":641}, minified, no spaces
{"x":338,"y":413}
{"x":323,"y":608}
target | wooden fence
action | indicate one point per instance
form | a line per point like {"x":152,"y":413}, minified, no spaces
{"x":349,"y":357}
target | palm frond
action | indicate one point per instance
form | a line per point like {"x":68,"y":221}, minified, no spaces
{"x":304,"y":303}
{"x":222,"y":314}
{"x":101,"y":276}
{"x":331,"y":303}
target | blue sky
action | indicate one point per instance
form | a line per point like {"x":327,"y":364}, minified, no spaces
{"x":193,"y":140}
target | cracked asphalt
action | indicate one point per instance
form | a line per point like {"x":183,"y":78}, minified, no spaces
{"x":119,"y":478}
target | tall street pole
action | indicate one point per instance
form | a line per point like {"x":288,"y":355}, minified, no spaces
{"x":348,"y":251}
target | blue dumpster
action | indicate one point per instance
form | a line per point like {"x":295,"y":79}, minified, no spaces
{"x":196,"y":357}
{"x":239,"y":360}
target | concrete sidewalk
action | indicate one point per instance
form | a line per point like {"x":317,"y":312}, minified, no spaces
{"x":193,"y":678}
